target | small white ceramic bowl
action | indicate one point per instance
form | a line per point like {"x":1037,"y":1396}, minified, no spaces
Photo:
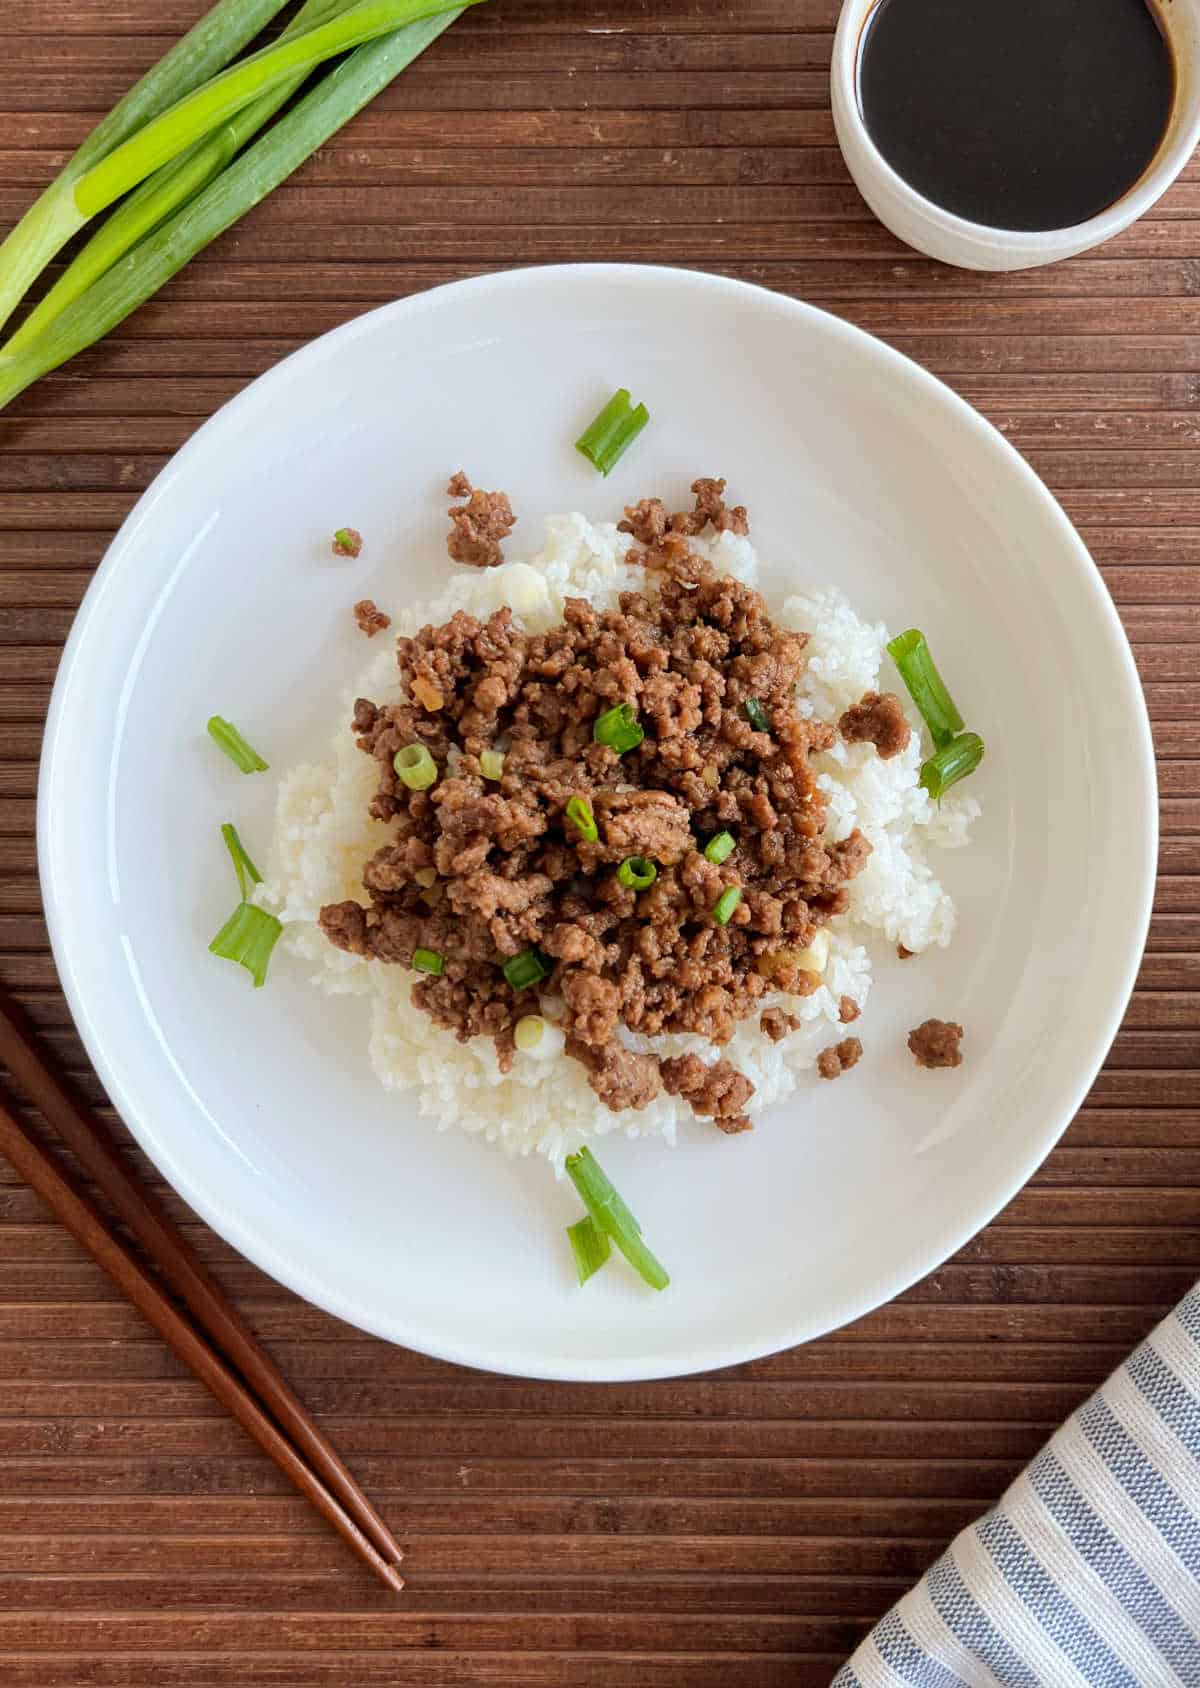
{"x":975,"y":246}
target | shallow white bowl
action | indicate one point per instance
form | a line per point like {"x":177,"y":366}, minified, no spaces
{"x":220,"y":596}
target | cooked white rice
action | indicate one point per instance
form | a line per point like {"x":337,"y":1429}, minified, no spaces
{"x":323,"y":836}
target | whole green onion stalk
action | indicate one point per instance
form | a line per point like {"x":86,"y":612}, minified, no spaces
{"x":171,"y":186}
{"x":250,"y":178}
{"x":207,"y":48}
{"x":167,"y":135}
{"x":73,"y":200}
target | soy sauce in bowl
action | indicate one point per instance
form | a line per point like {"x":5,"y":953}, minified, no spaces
{"x":1018,"y":114}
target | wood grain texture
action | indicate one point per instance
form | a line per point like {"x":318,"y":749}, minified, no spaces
{"x":734,"y":1531}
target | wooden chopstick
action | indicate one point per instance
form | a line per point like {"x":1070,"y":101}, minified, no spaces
{"x":276,"y":1419}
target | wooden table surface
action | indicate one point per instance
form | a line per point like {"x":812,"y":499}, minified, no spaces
{"x":734,"y":1531}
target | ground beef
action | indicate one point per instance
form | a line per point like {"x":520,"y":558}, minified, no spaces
{"x":649,"y":522}
{"x":458,"y":485}
{"x":480,"y":870}
{"x":839,"y":1058}
{"x":620,"y":1078}
{"x":347,"y":542}
{"x":935,"y":1043}
{"x":478,"y":526}
{"x":879,"y":720}
{"x":345,"y":924}
{"x":718,"y":1090}
{"x":776,"y":1024}
{"x":370,"y":618}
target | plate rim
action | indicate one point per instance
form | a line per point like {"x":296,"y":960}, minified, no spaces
{"x":256,"y":1247}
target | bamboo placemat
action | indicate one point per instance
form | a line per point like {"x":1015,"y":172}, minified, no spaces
{"x":736,"y":1531}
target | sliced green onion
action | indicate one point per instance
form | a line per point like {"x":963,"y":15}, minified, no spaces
{"x":606,"y":439}
{"x":618,"y":728}
{"x":725,"y":904}
{"x":250,"y":178}
{"x":636,"y":872}
{"x":347,"y":542}
{"x":581,"y":818}
{"x":953,"y":762}
{"x":756,"y":715}
{"x":528,"y":1032}
{"x":248,"y":937}
{"x":416,"y":767}
{"x":225,"y":734}
{"x":528,"y":968}
{"x":720,"y":847}
{"x":206,"y":48}
{"x":247,"y":873}
{"x":167,"y":189}
{"x":590,"y":1246}
{"x":912,"y":656}
{"x":429,"y":961}
{"x":610,"y":1215}
{"x":491,"y":764}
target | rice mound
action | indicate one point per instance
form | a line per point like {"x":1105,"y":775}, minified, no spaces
{"x":323,"y":836}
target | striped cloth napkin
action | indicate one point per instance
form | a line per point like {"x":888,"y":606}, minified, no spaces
{"x":1087,"y":1574}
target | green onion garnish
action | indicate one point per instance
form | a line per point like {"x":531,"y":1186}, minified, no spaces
{"x":606,"y":439}
{"x":529,"y":1032}
{"x":528,"y":968}
{"x":491,"y":764}
{"x":953,"y":762}
{"x":235,"y":747}
{"x":611,"y":1216}
{"x":720,"y":847}
{"x":756,"y":715}
{"x":582,"y":819}
{"x":429,"y":961}
{"x":247,"y":873}
{"x":618,"y":728}
{"x":636,"y":872}
{"x":725,"y":904}
{"x":248,"y":937}
{"x":911,"y":654}
{"x":347,"y":542}
{"x":589,"y":1245}
{"x":415,"y":766}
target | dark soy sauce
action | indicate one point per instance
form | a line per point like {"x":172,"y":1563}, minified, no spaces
{"x":1024,"y":114}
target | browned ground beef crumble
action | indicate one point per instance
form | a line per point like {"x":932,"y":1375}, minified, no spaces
{"x":480,"y":871}
{"x":370,"y":617}
{"x":839,"y":1058}
{"x":479,"y":525}
{"x":935,"y":1043}
{"x":848,"y":1010}
{"x":777,"y":1024}
{"x":877,"y":719}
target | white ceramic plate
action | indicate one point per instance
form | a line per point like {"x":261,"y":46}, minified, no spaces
{"x":220,"y":596}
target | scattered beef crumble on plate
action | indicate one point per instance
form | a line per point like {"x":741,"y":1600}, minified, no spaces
{"x":521,"y":862}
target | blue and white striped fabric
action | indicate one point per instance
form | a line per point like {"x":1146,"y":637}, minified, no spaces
{"x":1087,"y":1574}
